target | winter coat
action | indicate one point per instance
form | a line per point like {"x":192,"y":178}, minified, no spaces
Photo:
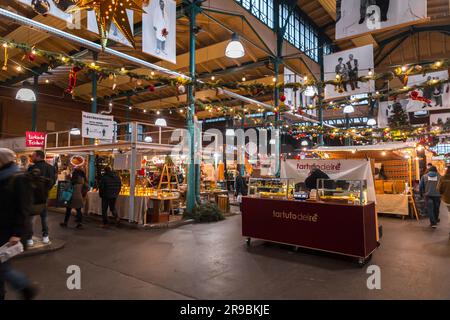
{"x":444,"y":188}
{"x":15,"y":199}
{"x":110,"y":186}
{"x":46,"y":170}
{"x":311,"y":181}
{"x":428,"y":185}
{"x":77,"y":201}
{"x":241,"y":186}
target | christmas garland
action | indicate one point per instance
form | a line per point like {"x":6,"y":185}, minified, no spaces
{"x":56,"y":59}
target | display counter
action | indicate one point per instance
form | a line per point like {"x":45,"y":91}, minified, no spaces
{"x":161,"y":207}
{"x":349,"y":230}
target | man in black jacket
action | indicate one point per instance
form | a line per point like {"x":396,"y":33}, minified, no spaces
{"x":109,"y":190}
{"x":47,"y":171}
{"x":15,"y":199}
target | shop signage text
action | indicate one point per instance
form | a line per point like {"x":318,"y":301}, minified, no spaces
{"x":35,"y":139}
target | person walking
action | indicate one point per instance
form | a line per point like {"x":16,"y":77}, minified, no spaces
{"x":78,"y":183}
{"x":45,"y":170}
{"x":15,"y":199}
{"x":444,"y":190}
{"x":109,"y":189}
{"x":428,"y":187}
{"x":241,"y":188}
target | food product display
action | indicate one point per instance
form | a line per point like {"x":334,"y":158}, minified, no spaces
{"x":342,"y":191}
{"x":149,"y":192}
{"x":271,"y":188}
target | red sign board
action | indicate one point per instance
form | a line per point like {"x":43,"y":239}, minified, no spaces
{"x":35,"y":139}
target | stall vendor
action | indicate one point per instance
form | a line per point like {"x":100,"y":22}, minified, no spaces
{"x":314,"y":175}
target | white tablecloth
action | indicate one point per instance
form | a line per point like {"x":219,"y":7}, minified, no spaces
{"x":393,"y":204}
{"x":94,"y":205}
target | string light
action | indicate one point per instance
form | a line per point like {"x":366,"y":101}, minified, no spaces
{"x":92,"y":64}
{"x":244,"y":79}
{"x":158,"y":112}
{"x":19,"y":68}
{"x":213,"y":78}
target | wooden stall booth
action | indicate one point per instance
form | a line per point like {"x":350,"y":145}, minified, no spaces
{"x":396,"y":171}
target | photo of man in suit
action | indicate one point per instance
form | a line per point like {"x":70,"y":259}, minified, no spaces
{"x":342,"y":71}
{"x":352,"y":67}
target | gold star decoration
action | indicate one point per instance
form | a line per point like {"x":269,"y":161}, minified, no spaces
{"x":111,"y":11}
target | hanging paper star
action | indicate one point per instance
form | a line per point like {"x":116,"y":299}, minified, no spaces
{"x":111,"y":11}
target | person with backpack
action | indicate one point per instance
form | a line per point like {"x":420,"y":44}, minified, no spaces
{"x":43,"y":177}
{"x":15,"y":199}
{"x":428,"y":187}
{"x":79,"y":189}
{"x":109,"y":189}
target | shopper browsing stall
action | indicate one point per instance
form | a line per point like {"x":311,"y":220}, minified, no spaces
{"x":109,"y":190}
{"x":444,"y":189}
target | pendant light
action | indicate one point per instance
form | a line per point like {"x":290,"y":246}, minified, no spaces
{"x":235,"y":49}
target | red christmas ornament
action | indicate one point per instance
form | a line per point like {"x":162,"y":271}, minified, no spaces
{"x":151,"y":88}
{"x":414,"y":95}
{"x":31,"y":57}
{"x":72,"y":79}
{"x":283,"y":98}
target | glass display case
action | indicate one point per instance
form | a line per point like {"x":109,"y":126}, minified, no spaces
{"x":272,"y":188}
{"x":342,"y":191}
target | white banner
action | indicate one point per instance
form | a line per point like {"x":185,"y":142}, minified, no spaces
{"x":299,"y":170}
{"x":114,"y":33}
{"x":97,"y":126}
{"x":159,"y":30}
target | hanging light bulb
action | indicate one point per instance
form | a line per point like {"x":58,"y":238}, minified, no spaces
{"x":371,"y":122}
{"x":244,"y":79}
{"x":213,"y":78}
{"x":19,"y":68}
{"x":235,"y":49}
{"x":158,"y":112}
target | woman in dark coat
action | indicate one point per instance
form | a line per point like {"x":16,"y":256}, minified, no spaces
{"x":78,"y":182}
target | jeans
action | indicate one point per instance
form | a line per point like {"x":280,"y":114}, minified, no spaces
{"x":44,"y":224}
{"x":433,"y":206}
{"x":16,"y":279}
{"x":111,"y":203}
{"x":79,"y":218}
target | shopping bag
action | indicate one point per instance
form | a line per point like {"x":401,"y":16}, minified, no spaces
{"x":7,"y":251}
{"x":67,"y":194}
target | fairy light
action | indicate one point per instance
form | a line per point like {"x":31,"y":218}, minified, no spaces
{"x":213,"y":78}
{"x":19,"y":68}
{"x":92,"y":64}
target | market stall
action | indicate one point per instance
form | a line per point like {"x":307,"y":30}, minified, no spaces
{"x":395,"y":167}
{"x":339,"y":220}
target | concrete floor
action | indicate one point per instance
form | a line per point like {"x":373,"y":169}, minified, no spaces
{"x":211,"y":261}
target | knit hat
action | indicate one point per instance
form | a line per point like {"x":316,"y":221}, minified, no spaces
{"x":432,"y":169}
{"x":6,"y":156}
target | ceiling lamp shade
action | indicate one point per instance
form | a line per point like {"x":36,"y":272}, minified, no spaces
{"x":235,"y":49}
{"x":371,"y":122}
{"x":75,"y":131}
{"x":160,"y":122}
{"x":229,"y":133}
{"x":148,"y":139}
{"x":349,"y":109}
{"x":304,"y":143}
{"x":26,"y":94}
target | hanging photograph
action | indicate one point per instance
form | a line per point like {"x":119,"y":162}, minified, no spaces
{"x":114,"y":32}
{"x":359,"y":17}
{"x":159,"y":29}
{"x":429,"y":98}
{"x":349,"y":65}
{"x":54,"y":8}
{"x":296,"y":98}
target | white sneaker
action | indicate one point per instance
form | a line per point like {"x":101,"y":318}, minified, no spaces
{"x":45,"y":240}
{"x":30,"y":243}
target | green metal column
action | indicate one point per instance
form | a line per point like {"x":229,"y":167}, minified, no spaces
{"x":347,"y":126}
{"x":35,"y":103}
{"x":93,"y":110}
{"x":280,"y":31}
{"x":321,"y":89}
{"x":193,"y":178}
{"x":242,"y":151}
